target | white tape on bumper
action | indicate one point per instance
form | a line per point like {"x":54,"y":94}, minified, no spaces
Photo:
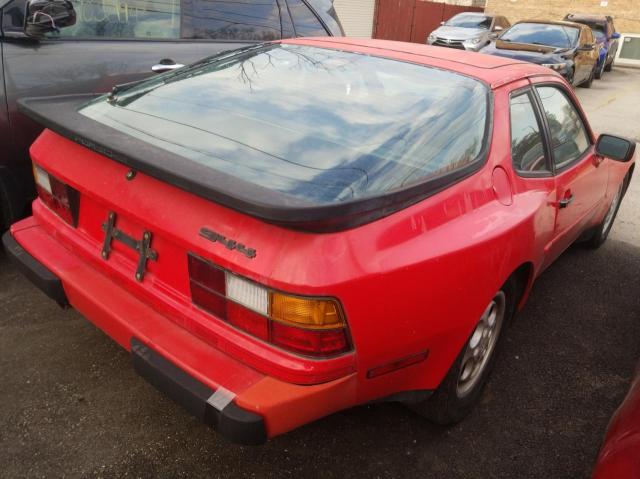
{"x":221,"y":398}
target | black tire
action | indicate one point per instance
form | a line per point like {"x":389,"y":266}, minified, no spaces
{"x":445,"y":406}
{"x":608,"y":67}
{"x":601,"y":232}
{"x":600,"y":71}
{"x":571,"y":77}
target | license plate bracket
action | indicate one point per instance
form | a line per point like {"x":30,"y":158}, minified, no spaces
{"x":142,"y":246}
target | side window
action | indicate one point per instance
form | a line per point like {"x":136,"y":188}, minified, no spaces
{"x":588,"y":37}
{"x":527,"y":145}
{"x":569,"y":137}
{"x":305,"y":21}
{"x":243,"y":20}
{"x":124,"y":19}
{"x":13,"y":17}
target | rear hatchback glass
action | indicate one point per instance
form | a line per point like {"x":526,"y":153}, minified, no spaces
{"x":322,"y":126}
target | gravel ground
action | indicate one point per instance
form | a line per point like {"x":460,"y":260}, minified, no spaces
{"x":70,"y":404}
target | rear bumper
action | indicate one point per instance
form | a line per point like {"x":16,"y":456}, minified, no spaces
{"x":39,"y":275}
{"x":241,"y":403}
{"x":215,"y":408}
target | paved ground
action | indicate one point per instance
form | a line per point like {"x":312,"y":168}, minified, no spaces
{"x":70,"y":404}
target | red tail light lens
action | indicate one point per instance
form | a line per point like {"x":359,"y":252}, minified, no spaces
{"x":58,"y":196}
{"x":324,"y":342}
{"x":309,"y":326}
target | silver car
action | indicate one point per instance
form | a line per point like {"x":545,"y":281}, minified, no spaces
{"x":468,"y":31}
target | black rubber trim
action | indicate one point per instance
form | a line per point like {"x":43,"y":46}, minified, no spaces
{"x":234,"y":423}
{"x":60,"y":114}
{"x":35,"y":271}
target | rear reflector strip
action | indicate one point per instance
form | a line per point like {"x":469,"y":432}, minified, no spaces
{"x":397,"y":364}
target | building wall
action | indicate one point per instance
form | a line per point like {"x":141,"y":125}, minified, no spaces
{"x":625,"y":13}
{"x":356,"y":16}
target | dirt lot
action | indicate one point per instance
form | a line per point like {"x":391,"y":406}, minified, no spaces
{"x":71,"y":405}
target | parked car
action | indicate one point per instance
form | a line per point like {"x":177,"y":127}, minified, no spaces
{"x":568,"y":48}
{"x":306,"y":225}
{"x":619,"y":456}
{"x":605,"y":35}
{"x":53,"y":47}
{"x":468,"y":31}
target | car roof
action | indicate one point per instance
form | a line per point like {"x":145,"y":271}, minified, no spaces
{"x":588,"y":17}
{"x":562,"y":23}
{"x":478,"y":14}
{"x":491,"y":69}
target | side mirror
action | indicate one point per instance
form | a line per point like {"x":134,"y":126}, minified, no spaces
{"x":615,"y":36}
{"x":616,"y":148}
{"x":44,"y":16}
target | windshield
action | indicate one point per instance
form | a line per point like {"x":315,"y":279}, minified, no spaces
{"x":599,"y":30}
{"x":320,"y":125}
{"x":465,"y":20}
{"x":558,"y":36}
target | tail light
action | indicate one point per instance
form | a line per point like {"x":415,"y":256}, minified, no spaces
{"x":304,"y":325}
{"x":58,"y":196}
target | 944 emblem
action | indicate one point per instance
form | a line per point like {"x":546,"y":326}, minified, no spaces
{"x":228,"y":243}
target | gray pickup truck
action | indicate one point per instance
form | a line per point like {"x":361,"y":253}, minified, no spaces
{"x":54,"y":47}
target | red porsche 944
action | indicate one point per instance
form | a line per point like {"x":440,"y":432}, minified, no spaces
{"x":290,"y":229}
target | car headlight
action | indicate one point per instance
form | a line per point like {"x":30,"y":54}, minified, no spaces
{"x":431,"y":38}
{"x":474,"y":41}
{"x":555,"y":66}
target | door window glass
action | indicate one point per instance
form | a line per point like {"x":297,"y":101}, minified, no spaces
{"x":527,"y":146}
{"x":124,"y":19}
{"x":587,"y":37}
{"x":305,"y":21}
{"x":13,"y":17}
{"x":569,"y":137}
{"x":252,"y":20}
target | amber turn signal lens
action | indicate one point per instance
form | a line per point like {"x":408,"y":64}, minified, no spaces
{"x":306,"y":312}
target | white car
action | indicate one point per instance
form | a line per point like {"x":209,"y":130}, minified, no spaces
{"x":468,"y":31}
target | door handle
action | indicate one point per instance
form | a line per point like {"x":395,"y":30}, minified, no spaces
{"x":564,"y":202}
{"x":166,"y":65}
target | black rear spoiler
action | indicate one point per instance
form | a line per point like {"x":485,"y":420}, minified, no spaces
{"x":61,"y":115}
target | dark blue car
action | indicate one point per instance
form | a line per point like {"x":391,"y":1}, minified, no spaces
{"x":565,"y":47}
{"x":606,"y":38}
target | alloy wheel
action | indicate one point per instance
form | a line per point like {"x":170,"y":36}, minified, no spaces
{"x":481,"y":345}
